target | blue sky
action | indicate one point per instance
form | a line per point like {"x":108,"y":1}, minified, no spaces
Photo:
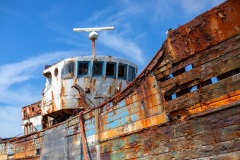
{"x":36,"y":33}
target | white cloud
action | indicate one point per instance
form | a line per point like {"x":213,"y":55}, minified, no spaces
{"x":7,"y":11}
{"x":196,"y":7}
{"x":123,"y":46}
{"x":10,"y":121}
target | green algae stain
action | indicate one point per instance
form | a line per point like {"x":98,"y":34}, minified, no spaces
{"x":118,"y":145}
{"x":118,"y":155}
{"x":132,"y":139}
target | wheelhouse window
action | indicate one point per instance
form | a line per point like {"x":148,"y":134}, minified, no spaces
{"x":48,"y":83}
{"x":131,"y":73}
{"x":122,"y":70}
{"x":68,"y":70}
{"x":97,"y":68}
{"x":111,"y":69}
{"x":83,"y":68}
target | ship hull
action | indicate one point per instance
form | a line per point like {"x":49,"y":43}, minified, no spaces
{"x":184,"y":105}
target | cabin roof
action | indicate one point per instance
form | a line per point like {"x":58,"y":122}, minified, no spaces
{"x":91,"y":58}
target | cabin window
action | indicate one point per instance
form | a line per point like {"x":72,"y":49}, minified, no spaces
{"x":111,"y":69}
{"x":48,"y":83}
{"x":83,"y":68}
{"x":131,"y":73}
{"x":97,"y":68}
{"x":68,"y":70}
{"x":122,"y":70}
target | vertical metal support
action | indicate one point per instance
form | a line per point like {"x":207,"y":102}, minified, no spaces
{"x":93,"y":48}
{"x":84,"y":142}
{"x":66,"y":140}
{"x":97,"y":134}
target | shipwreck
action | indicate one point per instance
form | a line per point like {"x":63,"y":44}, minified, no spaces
{"x":184,"y":105}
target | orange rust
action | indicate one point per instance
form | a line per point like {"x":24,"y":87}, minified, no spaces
{"x":94,"y":83}
{"x":27,"y":148}
{"x":215,"y":103}
{"x":84,"y":146}
{"x":53,"y":106}
{"x":31,"y":110}
{"x":62,"y":93}
{"x":134,"y":126}
{"x":204,"y":31}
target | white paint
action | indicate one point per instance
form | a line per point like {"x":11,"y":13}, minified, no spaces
{"x":59,"y":94}
{"x":92,"y":29}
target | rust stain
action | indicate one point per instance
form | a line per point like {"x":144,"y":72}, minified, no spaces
{"x":53,"y":106}
{"x":134,"y":126}
{"x":145,"y":124}
{"x":31,"y":110}
{"x":206,"y":30}
{"x":215,"y":103}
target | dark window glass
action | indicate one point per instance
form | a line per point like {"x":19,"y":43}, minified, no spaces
{"x":122,"y":69}
{"x":97,"y":68}
{"x":110,"y":71}
{"x":131,"y":73}
{"x":83,"y":68}
{"x":68,"y":70}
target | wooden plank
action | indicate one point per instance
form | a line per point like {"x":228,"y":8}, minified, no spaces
{"x":134,"y":127}
{"x":231,"y":61}
{"x":130,"y":113}
{"x":215,"y":135}
{"x":204,"y":94}
{"x":204,"y":57}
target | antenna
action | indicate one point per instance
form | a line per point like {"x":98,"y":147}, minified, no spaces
{"x":93,"y":35}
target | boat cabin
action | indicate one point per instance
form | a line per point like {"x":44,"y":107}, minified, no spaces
{"x":82,"y":83}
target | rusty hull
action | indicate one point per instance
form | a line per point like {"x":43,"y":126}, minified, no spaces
{"x":184,"y":105}
{"x":31,"y":110}
{"x":205,"y":31}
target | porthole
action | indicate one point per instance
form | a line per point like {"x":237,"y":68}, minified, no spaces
{"x":56,"y":72}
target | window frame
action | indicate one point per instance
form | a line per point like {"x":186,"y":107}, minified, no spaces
{"x":125,"y":71}
{"x":97,"y":75}
{"x":114,"y":74}
{"x":88,"y":71}
{"x":67,"y":76}
{"x":128,"y":73}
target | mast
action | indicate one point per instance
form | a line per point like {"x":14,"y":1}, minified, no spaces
{"x":93,"y":35}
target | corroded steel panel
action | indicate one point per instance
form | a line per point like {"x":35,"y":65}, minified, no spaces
{"x":31,"y":110}
{"x":211,"y":136}
{"x":205,"y":31}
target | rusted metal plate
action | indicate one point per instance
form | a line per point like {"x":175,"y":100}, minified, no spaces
{"x":205,"y":31}
{"x":224,"y":87}
{"x":31,"y":110}
{"x":208,"y":55}
{"x":214,"y":135}
{"x":213,"y":68}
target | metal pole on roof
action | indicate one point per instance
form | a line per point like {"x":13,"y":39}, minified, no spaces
{"x":93,"y":35}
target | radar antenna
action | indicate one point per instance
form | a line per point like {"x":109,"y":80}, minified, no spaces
{"x":93,"y":35}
